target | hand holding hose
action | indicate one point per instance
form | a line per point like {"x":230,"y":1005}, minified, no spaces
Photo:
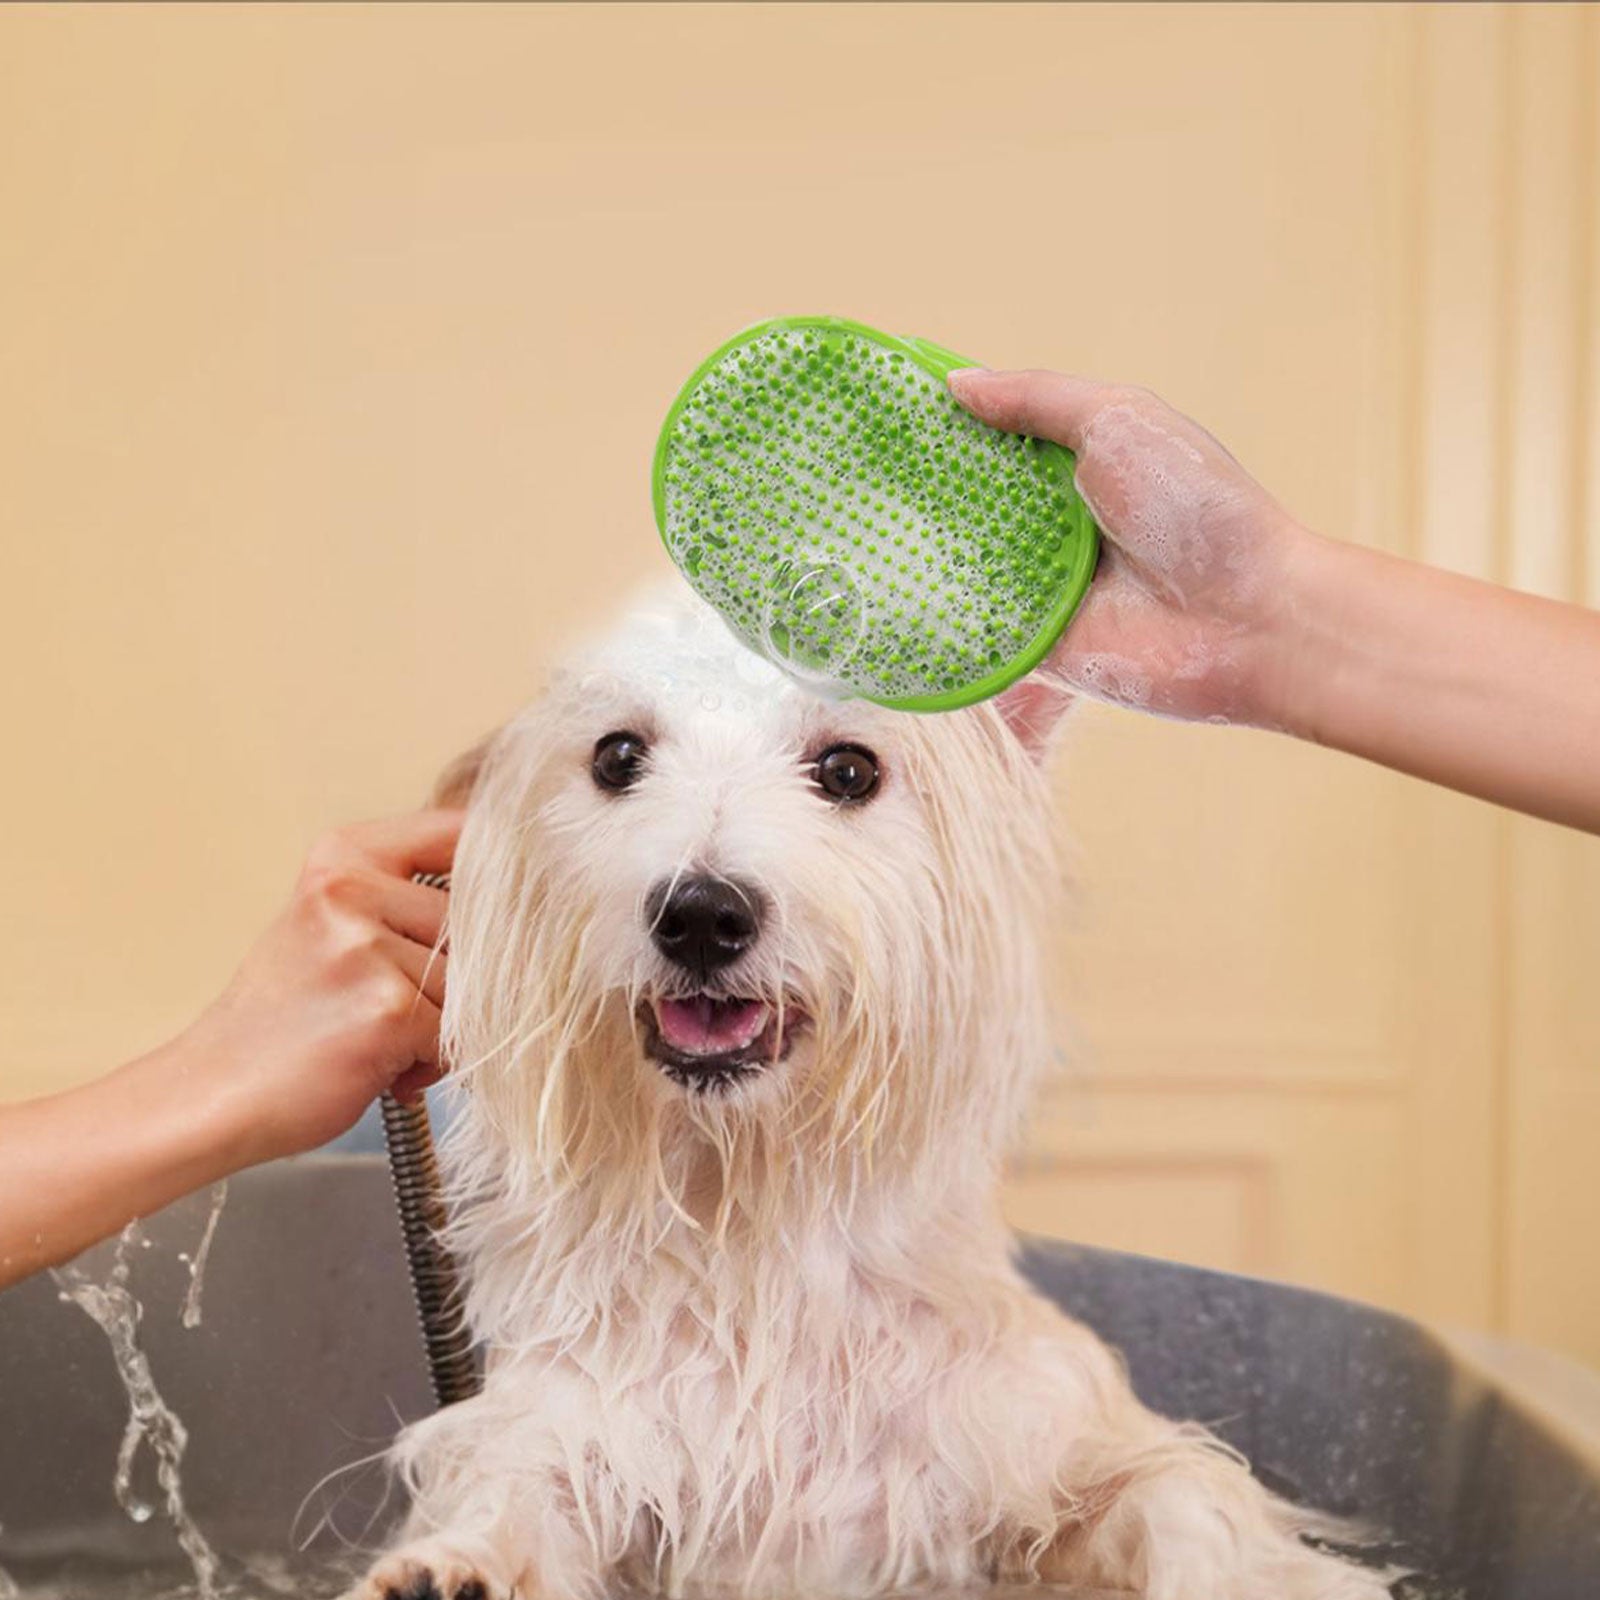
{"x":337,"y":1002}
{"x":339,"y":999}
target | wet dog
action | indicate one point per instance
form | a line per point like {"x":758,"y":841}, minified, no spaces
{"x":746,"y":1001}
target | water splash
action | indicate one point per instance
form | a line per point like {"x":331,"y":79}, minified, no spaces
{"x":197,"y":1263}
{"x":151,"y":1422}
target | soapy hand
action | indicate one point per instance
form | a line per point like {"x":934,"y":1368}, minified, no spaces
{"x":339,"y":998}
{"x":1212,"y":602}
{"x":1183,"y":611}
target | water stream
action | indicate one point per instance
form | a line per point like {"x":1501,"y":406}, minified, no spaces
{"x":152,"y":1423}
{"x":197,"y":1262}
{"x":156,"y":1433}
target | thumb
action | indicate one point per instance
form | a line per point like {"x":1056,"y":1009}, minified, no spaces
{"x":1049,"y":405}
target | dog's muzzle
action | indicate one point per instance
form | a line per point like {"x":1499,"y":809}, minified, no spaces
{"x":706,"y":1035}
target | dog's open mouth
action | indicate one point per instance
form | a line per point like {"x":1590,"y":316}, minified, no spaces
{"x":705,"y":1041}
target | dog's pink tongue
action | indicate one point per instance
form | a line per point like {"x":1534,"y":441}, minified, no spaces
{"x":706,"y":1027}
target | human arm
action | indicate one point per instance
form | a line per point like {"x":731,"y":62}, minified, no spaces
{"x":1213,"y":603}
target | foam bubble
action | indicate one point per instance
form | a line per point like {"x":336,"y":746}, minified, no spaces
{"x":1112,"y":678}
{"x":814,"y":621}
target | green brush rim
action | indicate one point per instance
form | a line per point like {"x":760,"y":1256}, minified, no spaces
{"x":940,"y":363}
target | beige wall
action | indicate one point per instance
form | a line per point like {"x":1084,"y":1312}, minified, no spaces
{"x":335,"y":342}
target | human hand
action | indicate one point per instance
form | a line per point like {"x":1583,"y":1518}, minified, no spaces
{"x":1189,"y":610}
{"x":339,"y":999}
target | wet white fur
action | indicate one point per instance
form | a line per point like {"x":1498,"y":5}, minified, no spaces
{"x":773,"y":1343}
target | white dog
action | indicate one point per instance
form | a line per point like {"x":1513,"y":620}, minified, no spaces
{"x":745,"y":1003}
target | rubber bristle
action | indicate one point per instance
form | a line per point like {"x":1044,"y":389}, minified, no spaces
{"x":853,"y":523}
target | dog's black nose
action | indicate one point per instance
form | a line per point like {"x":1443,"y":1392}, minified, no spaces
{"x":703,"y":923}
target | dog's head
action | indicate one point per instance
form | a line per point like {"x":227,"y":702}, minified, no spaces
{"x":697,"y":909}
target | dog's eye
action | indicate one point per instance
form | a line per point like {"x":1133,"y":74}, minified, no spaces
{"x":847,"y":772}
{"x":618,"y":760}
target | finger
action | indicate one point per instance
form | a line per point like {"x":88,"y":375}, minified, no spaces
{"x":413,"y":910}
{"x":1049,"y":405}
{"x":422,"y":964}
{"x":422,"y":1032}
{"x":1101,"y":622}
{"x":1120,"y":648}
{"x":422,"y":841}
{"x":410,"y":1086}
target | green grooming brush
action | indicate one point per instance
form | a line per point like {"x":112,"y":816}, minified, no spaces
{"x":817,"y":483}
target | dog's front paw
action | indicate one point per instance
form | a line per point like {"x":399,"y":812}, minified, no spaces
{"x":429,"y":1570}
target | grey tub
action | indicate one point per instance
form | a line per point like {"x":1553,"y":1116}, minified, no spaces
{"x":308,"y":1356}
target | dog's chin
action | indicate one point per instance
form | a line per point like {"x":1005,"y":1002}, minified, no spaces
{"x":709,"y":1043}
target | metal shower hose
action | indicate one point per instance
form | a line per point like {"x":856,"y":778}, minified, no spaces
{"x":419,"y":1197}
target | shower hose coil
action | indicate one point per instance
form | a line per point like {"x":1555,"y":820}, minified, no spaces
{"x":419,"y":1197}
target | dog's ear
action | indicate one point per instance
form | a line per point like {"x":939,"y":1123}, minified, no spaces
{"x":454,"y":786}
{"x":1033,"y":709}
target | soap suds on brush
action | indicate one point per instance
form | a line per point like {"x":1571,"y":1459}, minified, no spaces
{"x":853,"y":523}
